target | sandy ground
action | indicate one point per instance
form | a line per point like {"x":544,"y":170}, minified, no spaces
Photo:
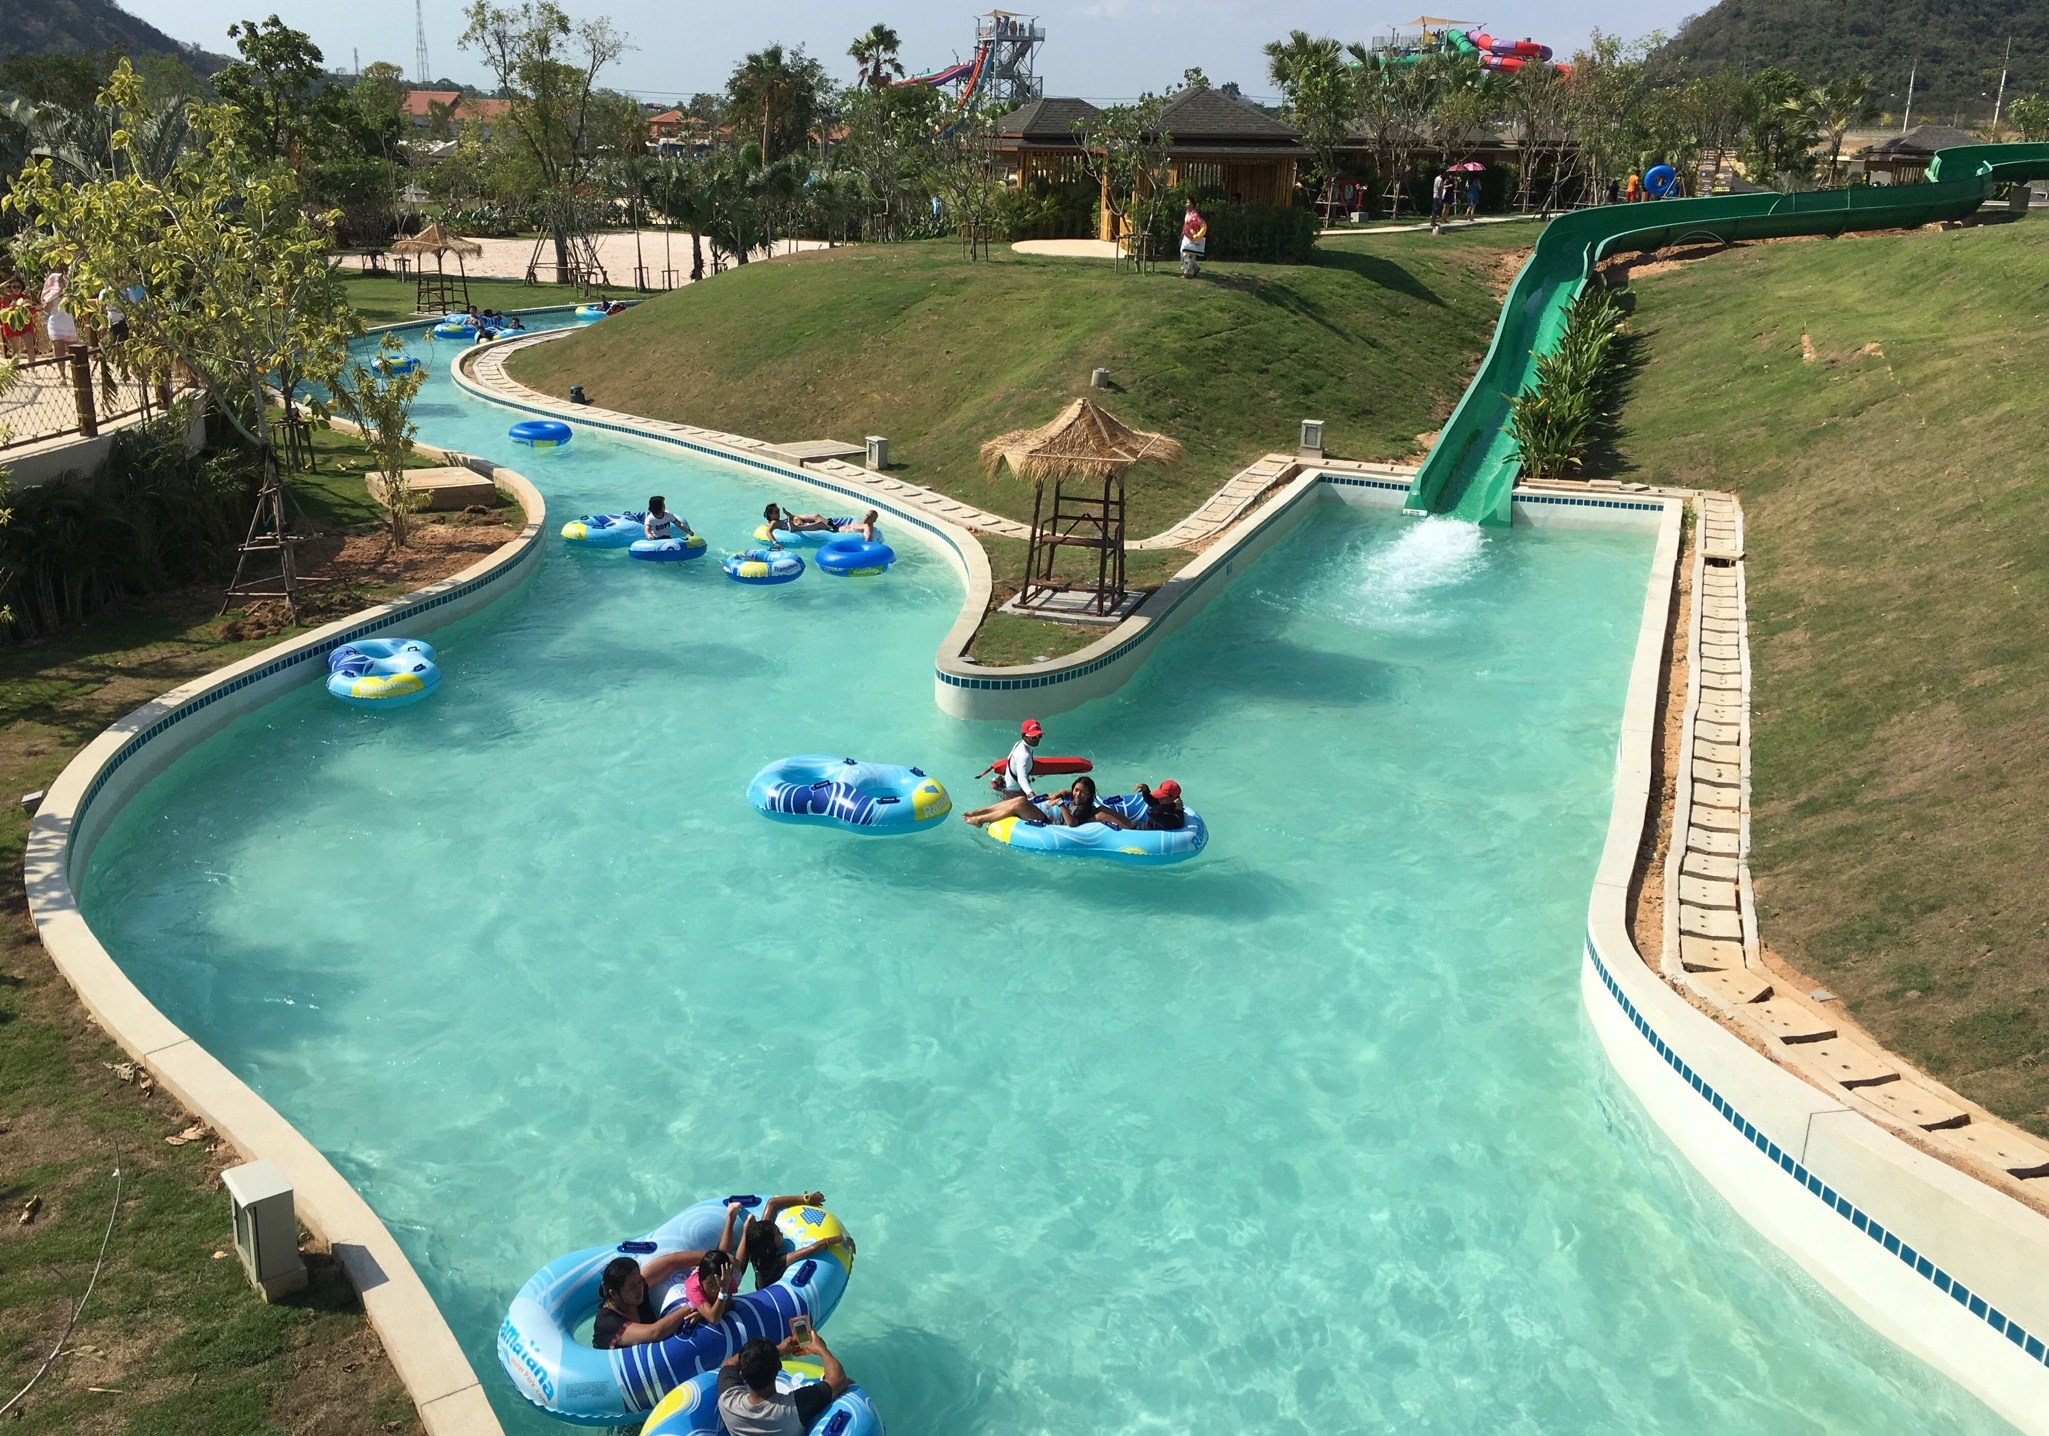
{"x":658,"y":250}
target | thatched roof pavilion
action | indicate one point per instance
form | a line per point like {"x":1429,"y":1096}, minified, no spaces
{"x":437,"y":293}
{"x":1085,"y":441}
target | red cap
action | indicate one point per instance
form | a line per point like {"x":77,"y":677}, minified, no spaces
{"x":1030,"y":728}
{"x":1169,"y":789}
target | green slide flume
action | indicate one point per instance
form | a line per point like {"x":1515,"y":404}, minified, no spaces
{"x":1472,"y":468}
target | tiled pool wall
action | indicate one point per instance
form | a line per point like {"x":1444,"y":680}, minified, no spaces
{"x":1941,"y":1264}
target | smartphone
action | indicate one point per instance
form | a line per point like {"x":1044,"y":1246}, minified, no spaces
{"x":800,"y":1328}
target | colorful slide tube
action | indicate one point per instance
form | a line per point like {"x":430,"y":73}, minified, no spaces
{"x":1472,"y":468}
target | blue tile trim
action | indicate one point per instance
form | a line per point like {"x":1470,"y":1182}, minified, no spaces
{"x":1841,"y":1205}
{"x":316,"y":653}
{"x":1575,"y":501}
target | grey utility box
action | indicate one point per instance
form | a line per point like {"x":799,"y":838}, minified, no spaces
{"x":1312,"y":439}
{"x":266,"y":1228}
{"x":1099,"y":379}
{"x":878,"y":452}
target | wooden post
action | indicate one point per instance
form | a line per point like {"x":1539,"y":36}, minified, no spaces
{"x":81,"y":390}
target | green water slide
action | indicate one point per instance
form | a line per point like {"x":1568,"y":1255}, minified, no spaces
{"x":1472,"y":468}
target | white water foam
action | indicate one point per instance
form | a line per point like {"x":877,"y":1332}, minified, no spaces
{"x":1404,"y":583}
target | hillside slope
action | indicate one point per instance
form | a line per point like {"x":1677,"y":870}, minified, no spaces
{"x":913,"y":342}
{"x":67,"y":27}
{"x":1874,"y":401}
{"x":1958,"y":45}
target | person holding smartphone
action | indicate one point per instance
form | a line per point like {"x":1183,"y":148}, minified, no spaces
{"x":749,"y":1403}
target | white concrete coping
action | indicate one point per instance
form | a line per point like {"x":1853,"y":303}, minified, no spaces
{"x":75,"y":813}
{"x":1945,"y":1266}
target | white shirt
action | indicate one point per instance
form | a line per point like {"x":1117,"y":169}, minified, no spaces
{"x":1018,"y":770}
{"x":664,"y":525}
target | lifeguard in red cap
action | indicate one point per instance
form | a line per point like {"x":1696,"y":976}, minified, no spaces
{"x":1017,"y":768}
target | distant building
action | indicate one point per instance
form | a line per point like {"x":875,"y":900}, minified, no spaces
{"x":420,"y":106}
{"x":1904,"y":158}
{"x":1214,"y":142}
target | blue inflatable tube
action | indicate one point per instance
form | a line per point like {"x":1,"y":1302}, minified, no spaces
{"x":382,"y":672}
{"x":764,"y":565}
{"x":881,"y":799}
{"x":692,"y":1409}
{"x":1100,"y":840}
{"x":591,"y":311}
{"x":607,"y":530}
{"x":854,"y":557}
{"x":396,"y":364}
{"x":449,"y":329}
{"x":538,"y":1348}
{"x":539,"y":433}
{"x":668,"y":550}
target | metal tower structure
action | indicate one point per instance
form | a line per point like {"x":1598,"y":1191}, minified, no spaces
{"x":420,"y":44}
{"x":1008,"y":78}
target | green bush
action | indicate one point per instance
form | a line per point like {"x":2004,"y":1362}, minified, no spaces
{"x":153,"y":518}
{"x":1554,"y":419}
{"x":1260,"y":233}
{"x":1042,"y":209}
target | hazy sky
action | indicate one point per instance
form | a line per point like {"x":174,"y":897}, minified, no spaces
{"x":1096,"y":48}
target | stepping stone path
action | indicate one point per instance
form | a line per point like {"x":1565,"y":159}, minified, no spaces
{"x":1711,"y":937}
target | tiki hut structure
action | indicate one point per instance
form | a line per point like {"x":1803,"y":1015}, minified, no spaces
{"x":1085,"y":452}
{"x":440,"y":292}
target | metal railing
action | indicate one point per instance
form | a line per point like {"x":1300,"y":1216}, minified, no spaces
{"x":77,"y":393}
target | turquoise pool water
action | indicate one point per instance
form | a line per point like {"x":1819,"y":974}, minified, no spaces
{"x":1308,"y":1135}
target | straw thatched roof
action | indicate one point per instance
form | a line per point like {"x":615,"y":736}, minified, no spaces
{"x":1084,"y":442}
{"x":437,"y":240}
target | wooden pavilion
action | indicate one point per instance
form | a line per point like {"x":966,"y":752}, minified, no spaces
{"x":440,"y":292}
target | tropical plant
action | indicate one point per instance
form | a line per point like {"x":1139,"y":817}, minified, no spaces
{"x":1124,"y":149}
{"x":777,"y":96}
{"x":1780,"y":134}
{"x":219,"y":268}
{"x":1321,"y":96}
{"x":1831,"y":109}
{"x":2030,"y":115}
{"x":1554,"y":419}
{"x":378,"y":397}
{"x":875,"y":52}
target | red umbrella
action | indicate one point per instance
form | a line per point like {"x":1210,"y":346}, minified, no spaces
{"x":1470,"y":165}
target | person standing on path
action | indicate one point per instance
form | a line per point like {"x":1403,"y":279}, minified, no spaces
{"x":1473,"y":195}
{"x":1194,"y":240}
{"x":1438,"y":182}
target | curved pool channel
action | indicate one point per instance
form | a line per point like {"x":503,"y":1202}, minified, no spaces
{"x":1308,"y":1135}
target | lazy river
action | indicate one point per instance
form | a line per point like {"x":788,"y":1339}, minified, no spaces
{"x":1309,"y":1134}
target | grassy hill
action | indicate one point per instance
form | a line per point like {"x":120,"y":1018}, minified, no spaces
{"x":1876,"y":402}
{"x":912,"y":341}
{"x":1957,"y":45}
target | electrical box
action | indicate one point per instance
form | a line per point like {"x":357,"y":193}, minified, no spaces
{"x":1099,"y":379}
{"x":878,"y":453}
{"x":1312,"y":439}
{"x":266,"y":1228}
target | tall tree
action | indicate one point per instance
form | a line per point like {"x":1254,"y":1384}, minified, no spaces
{"x":1321,"y":95}
{"x":1124,"y":150}
{"x":1833,"y":108}
{"x":875,"y":52}
{"x":777,"y":98}
{"x":548,"y":67}
{"x":278,"y":87}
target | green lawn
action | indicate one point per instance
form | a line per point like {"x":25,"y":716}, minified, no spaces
{"x":914,"y":342}
{"x":1875,"y":403}
{"x":383,"y":300}
{"x":175,"y":1337}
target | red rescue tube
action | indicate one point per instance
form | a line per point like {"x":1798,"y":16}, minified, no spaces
{"x":1041,"y":764}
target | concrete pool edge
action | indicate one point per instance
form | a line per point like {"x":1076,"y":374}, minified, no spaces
{"x":1944,"y":1266}
{"x":75,"y":812}
{"x":967,"y":690}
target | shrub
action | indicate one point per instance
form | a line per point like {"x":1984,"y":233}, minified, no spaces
{"x":1042,"y":209}
{"x":1260,"y":233}
{"x":1553,"y":420}
{"x":153,"y":518}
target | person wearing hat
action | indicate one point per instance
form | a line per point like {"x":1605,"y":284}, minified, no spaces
{"x":1163,"y":810}
{"x":1017,"y":781}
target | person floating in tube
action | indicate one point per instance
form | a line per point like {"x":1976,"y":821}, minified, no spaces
{"x":1194,"y":240}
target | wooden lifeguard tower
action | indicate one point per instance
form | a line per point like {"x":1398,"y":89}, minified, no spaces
{"x":440,"y":292}
{"x":1085,"y":452}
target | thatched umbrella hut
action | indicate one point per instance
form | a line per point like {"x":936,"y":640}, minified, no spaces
{"x":437,"y":292}
{"x":1085,"y":442}
{"x":1091,"y":450}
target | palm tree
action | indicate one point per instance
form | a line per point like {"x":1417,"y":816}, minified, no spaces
{"x":1299,"y":56}
{"x":1834,"y":107}
{"x":875,"y":52}
{"x":782,"y":93}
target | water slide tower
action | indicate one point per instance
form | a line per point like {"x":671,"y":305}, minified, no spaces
{"x":1008,"y":77}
